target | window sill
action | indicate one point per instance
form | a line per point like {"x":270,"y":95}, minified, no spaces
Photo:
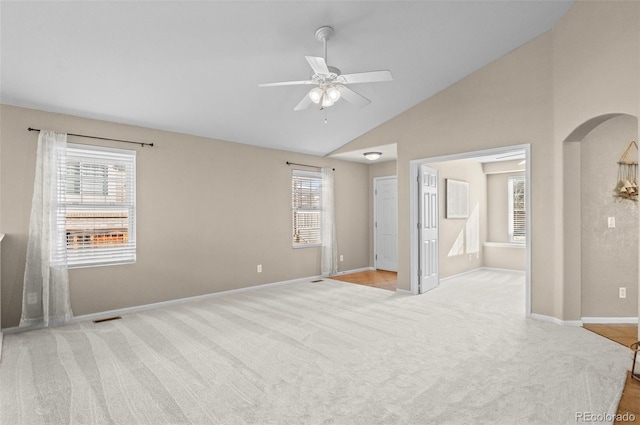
{"x":504,"y":245}
{"x":306,"y":246}
{"x":104,"y":264}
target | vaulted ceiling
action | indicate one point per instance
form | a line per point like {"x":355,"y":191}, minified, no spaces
{"x":194,"y":67}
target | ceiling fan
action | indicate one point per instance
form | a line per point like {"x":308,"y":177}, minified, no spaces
{"x":330,"y":83}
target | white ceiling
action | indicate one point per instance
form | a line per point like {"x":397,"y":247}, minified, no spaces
{"x":193,"y":67}
{"x":388,"y":153}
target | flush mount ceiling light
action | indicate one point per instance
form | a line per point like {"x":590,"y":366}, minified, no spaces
{"x":372,"y":156}
{"x":330,"y":83}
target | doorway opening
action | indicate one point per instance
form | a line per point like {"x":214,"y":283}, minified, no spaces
{"x":464,"y":247}
{"x":601,"y":239}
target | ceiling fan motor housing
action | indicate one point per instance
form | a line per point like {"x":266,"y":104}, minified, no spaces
{"x":333,"y":74}
{"x":324,"y":33}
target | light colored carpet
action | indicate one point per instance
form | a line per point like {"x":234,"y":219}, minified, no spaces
{"x":317,"y":353}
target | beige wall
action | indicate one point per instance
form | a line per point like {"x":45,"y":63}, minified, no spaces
{"x":596,"y":74}
{"x":506,"y":103}
{"x":609,"y":255}
{"x":1,"y":237}
{"x":572,"y":230}
{"x":538,"y":94}
{"x":501,"y":255}
{"x":208,"y":212}
{"x":456,"y":254}
{"x":381,"y":169}
{"x":586,"y":67}
{"x":505,"y":257}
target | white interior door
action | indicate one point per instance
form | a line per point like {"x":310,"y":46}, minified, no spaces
{"x":428,"y":226}
{"x":386,"y":223}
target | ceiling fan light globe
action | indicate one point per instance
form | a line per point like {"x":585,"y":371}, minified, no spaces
{"x":315,"y":95}
{"x":326,"y":101}
{"x":333,"y":93}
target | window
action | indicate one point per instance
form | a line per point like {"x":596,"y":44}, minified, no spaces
{"x":97,"y":198}
{"x":517,"y":210}
{"x":306,"y":195}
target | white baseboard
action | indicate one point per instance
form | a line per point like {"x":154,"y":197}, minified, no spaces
{"x":489,"y":269}
{"x":362,"y":269}
{"x":585,"y":320}
{"x":404,"y":292}
{"x":454,"y":276}
{"x":551,"y":319}
{"x":497,"y":269}
{"x":610,"y":320}
{"x":144,"y":307}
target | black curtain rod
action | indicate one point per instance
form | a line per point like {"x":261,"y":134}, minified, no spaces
{"x":305,"y":165}
{"x":101,"y":138}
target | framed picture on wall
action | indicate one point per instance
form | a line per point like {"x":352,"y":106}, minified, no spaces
{"x":457,"y":199}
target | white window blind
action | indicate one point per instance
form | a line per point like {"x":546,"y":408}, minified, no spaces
{"x":97,"y":201}
{"x":306,"y":196}
{"x":517,"y":210}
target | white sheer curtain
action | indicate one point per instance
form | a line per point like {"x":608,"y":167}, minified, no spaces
{"x":329,"y":245}
{"x":45,"y":296}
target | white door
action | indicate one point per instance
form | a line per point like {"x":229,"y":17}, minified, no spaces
{"x":428,"y":226}
{"x":386,"y":223}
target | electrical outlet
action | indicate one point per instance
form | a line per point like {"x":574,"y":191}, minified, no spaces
{"x":259,"y":268}
{"x":611,"y":222}
{"x":32,"y":298}
{"x":341,"y":257}
{"x":622,"y":292}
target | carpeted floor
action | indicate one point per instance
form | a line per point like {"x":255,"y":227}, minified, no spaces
{"x":317,"y":353}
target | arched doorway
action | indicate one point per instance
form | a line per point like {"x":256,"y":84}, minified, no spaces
{"x":599,"y":259}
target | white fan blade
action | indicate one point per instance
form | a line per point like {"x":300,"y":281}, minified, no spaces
{"x":353,"y":97}
{"x":318,"y":65}
{"x":286,"y":83}
{"x":366,"y":77}
{"x":304,"y":103}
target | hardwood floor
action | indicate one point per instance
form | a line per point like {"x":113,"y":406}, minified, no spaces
{"x":625,"y":335}
{"x":375,"y":278}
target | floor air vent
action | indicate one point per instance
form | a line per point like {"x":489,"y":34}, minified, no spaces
{"x":108,"y":319}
